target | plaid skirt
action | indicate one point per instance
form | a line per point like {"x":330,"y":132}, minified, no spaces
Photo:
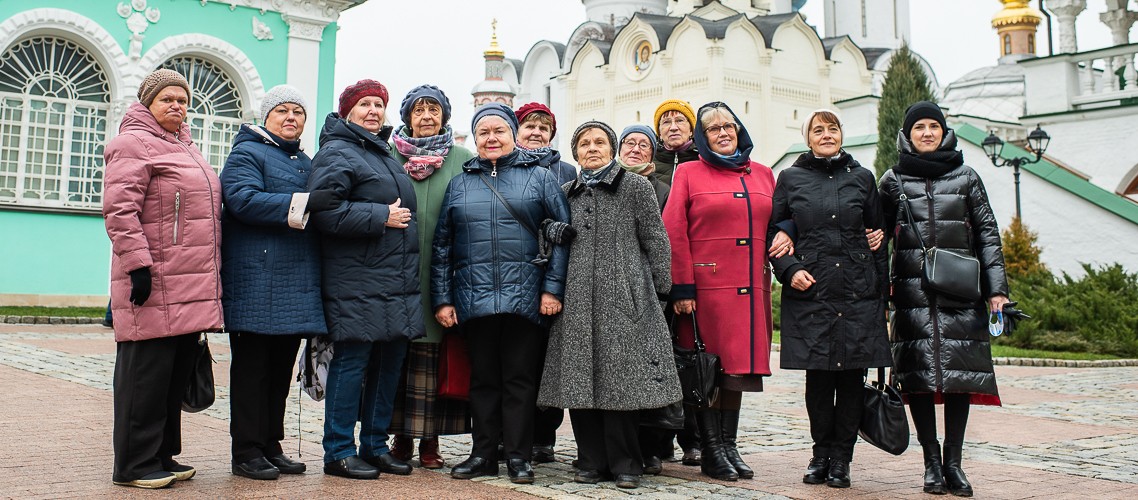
{"x":419,"y":412}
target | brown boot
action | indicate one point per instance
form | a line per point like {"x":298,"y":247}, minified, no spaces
{"x":429,"y":457}
{"x":402,"y":448}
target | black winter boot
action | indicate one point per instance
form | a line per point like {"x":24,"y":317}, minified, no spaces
{"x":934,"y":477}
{"x":954,"y":477}
{"x":729,"y":420}
{"x":714,"y":461}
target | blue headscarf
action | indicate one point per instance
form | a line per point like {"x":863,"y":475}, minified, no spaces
{"x":742,"y":156}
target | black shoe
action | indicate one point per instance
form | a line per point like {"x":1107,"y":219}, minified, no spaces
{"x":713,"y":459}
{"x":474,"y":467}
{"x":954,"y":477}
{"x":817,"y":471}
{"x":839,"y":476}
{"x":154,"y":480}
{"x":287,"y":465}
{"x":543,"y":454}
{"x":934,"y":476}
{"x":257,"y":468}
{"x":108,"y":324}
{"x":519,"y":470}
{"x":388,"y":464}
{"x":352,"y":467}
{"x":587,"y":476}
{"x":181,"y":472}
{"x":627,"y":481}
{"x":692,"y":456}
{"x":653,"y":466}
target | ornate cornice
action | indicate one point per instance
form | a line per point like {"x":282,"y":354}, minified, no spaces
{"x":304,"y":27}
{"x":322,"y":10}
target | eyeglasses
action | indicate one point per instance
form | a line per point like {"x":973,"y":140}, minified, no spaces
{"x":669,"y":122}
{"x":635,"y":144}
{"x":716,"y":129}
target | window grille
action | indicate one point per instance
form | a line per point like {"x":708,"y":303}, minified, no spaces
{"x":215,"y":107}
{"x":54,"y":102}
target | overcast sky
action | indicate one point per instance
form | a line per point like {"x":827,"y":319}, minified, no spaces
{"x":405,"y":44}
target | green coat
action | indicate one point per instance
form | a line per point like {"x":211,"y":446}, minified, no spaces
{"x":429,"y":195}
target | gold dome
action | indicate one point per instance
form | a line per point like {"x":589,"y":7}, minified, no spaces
{"x":1017,"y":12}
{"x":495,"y":49}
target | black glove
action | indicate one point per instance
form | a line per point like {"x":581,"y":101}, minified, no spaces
{"x":323,"y":199}
{"x":139,"y":286}
{"x":1012,"y":316}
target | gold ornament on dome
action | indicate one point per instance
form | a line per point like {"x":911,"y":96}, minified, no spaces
{"x":1016,"y":12}
{"x":495,"y":49}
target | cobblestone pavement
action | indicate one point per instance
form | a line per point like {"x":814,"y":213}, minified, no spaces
{"x":1062,"y":433}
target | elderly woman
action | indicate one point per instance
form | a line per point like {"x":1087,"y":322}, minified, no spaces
{"x":494,"y":274}
{"x":675,"y":122}
{"x":717,"y":219}
{"x":836,"y":273}
{"x":162,"y":206}
{"x":941,"y":349}
{"x":370,"y":268}
{"x":610,"y":350}
{"x":637,"y":148}
{"x":271,"y":277}
{"x":425,"y":147}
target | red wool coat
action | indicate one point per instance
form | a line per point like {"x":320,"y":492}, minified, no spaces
{"x":717,"y":224}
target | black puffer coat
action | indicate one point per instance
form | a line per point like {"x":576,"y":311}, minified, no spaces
{"x":839,"y":322}
{"x":370,"y":271}
{"x":481,"y":260}
{"x":941,"y":344}
{"x":667,"y":161}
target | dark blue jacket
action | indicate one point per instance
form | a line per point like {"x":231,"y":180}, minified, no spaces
{"x":371,"y":271}
{"x":562,"y":171}
{"x":270,"y":272}
{"x":481,"y":260}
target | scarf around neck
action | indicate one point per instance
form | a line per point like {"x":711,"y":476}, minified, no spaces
{"x":643,"y":169}
{"x":593,"y":177}
{"x":424,"y":154}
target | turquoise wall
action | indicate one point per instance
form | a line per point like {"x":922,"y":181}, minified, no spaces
{"x":54,"y":254}
{"x":327,"y":93}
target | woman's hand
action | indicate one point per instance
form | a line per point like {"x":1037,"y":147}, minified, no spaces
{"x":446,"y":316}
{"x":802,"y":280}
{"x":996,"y":303}
{"x":549,"y":304}
{"x":684,"y":306}
{"x":874,"y":237}
{"x":781,"y":245}
{"x":397,"y":216}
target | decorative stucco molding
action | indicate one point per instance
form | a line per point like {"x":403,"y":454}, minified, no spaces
{"x":326,"y":11}
{"x":304,"y":27}
{"x":232,"y":59}
{"x":261,"y":31}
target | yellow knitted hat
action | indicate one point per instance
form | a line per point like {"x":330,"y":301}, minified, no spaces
{"x":673,"y":105}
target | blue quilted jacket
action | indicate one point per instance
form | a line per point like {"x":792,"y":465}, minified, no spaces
{"x":481,"y":255}
{"x":270,"y":273}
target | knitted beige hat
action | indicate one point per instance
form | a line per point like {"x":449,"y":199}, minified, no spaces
{"x":158,"y":80}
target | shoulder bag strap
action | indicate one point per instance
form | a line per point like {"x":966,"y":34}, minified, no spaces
{"x":510,"y":209}
{"x":908,"y":209}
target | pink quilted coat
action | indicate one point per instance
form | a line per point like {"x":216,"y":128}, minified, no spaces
{"x":162,"y":206}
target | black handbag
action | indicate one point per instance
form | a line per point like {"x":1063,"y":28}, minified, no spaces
{"x":669,"y":417}
{"x":698,"y":369}
{"x":883,"y":420}
{"x":946,"y":272}
{"x":199,"y":391}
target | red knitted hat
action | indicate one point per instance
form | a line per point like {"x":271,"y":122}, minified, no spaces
{"x":526,"y":109}
{"x":363,"y":88}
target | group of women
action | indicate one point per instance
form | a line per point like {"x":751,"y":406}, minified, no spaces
{"x":563,"y":284}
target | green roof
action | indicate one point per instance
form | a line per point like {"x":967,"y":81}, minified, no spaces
{"x":1060,"y":177}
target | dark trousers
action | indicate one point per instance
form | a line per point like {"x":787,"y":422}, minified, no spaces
{"x":503,"y":351}
{"x":362,"y":379}
{"x":956,"y":408}
{"x":607,"y":441}
{"x":655,"y":442}
{"x":834,"y":401}
{"x":260,"y":376}
{"x":150,"y":380}
{"x":546,"y":420}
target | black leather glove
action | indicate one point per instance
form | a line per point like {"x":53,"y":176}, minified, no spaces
{"x":1012,"y":317}
{"x":139,"y":286}
{"x":323,"y":199}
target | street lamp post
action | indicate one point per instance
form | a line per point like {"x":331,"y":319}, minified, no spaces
{"x":1037,"y":140}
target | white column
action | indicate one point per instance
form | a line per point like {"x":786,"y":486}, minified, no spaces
{"x":304,"y":37}
{"x":1119,"y":20}
{"x":1065,"y":12}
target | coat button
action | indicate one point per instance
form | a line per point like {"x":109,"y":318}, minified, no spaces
{"x":586,"y":225}
{"x":838,"y":265}
{"x":833,"y":216}
{"x":839,"y":315}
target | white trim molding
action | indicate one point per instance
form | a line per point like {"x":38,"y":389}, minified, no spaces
{"x":229,"y":57}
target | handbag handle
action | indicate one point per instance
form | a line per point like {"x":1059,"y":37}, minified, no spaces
{"x":699,"y":346}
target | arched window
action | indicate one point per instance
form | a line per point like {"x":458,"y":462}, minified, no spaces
{"x":1031,"y":43}
{"x":215,"y":107}
{"x":54,"y":101}
{"x":1007,"y":45}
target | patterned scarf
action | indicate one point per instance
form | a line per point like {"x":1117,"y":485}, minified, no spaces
{"x":424,"y":154}
{"x":643,"y":169}
{"x":541,"y":152}
{"x":593,"y":177}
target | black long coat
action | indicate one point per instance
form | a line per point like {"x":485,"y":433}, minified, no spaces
{"x":941,"y":345}
{"x":839,"y":322}
{"x":370,"y":271}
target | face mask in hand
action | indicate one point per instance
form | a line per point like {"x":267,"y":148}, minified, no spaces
{"x":996,"y":323}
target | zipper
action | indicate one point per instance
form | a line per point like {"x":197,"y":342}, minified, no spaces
{"x":494,"y":171}
{"x":497,"y":264}
{"x":933,"y":313}
{"x":177,"y":213}
{"x":709,"y":264}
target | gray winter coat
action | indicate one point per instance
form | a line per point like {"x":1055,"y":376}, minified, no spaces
{"x":610,"y":348}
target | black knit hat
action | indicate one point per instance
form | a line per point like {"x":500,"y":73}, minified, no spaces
{"x":593,"y":124}
{"x":921,"y":110}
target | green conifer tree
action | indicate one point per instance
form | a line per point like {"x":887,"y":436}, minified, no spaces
{"x":905,"y":84}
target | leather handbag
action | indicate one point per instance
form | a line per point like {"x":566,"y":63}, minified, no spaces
{"x":454,"y":367}
{"x":883,"y":420}
{"x":199,"y":393}
{"x":698,"y":369}
{"x":669,"y":417}
{"x":946,"y":272}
